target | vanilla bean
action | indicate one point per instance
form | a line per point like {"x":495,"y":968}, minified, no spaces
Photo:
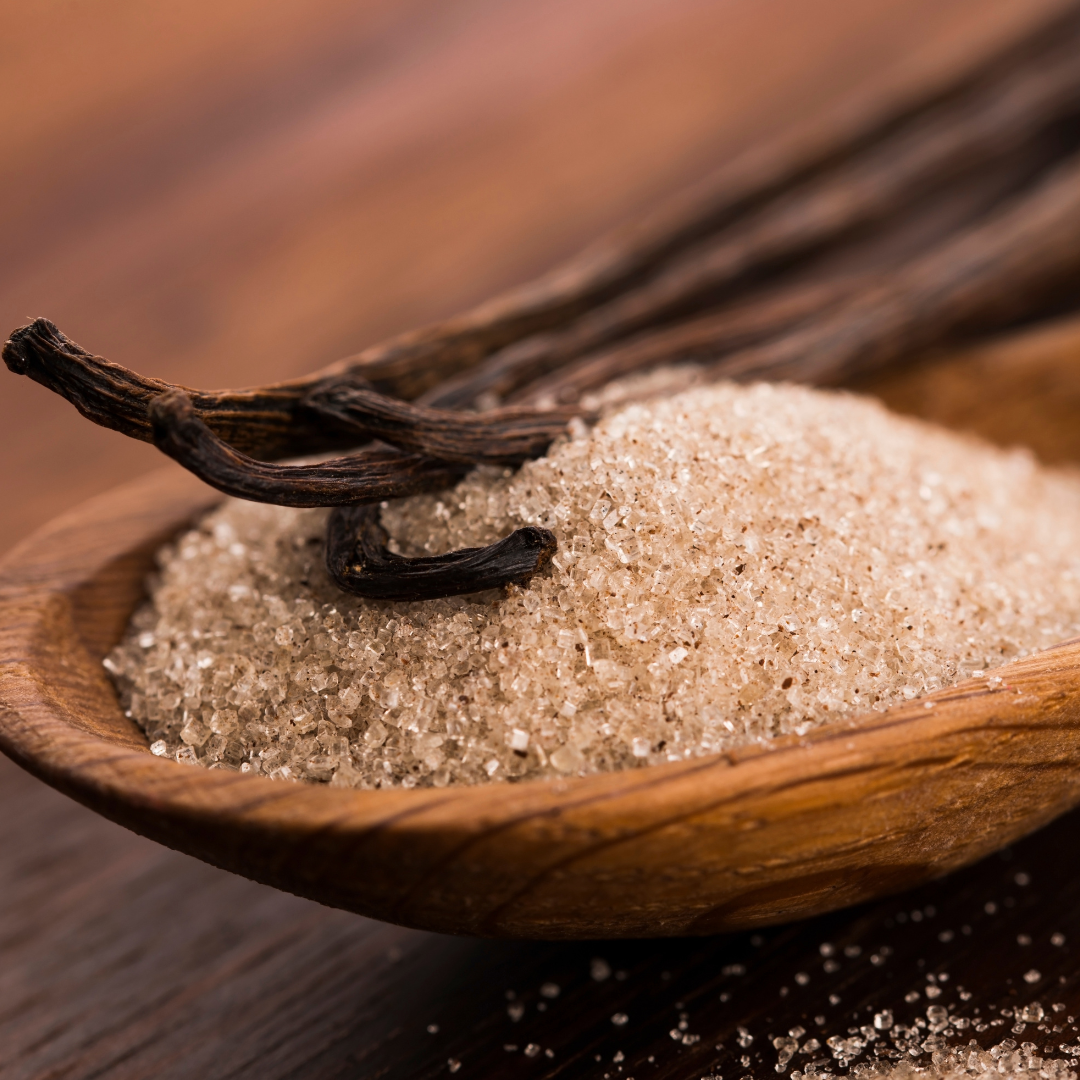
{"x":359,"y":561}
{"x":761,"y":318}
{"x":1009,"y":267}
{"x":501,"y":437}
{"x":413,"y":364}
{"x":769,"y":314}
{"x":512,"y":374}
{"x":366,"y":477}
{"x":287,"y":419}
{"x":956,"y":145}
{"x":267,"y":420}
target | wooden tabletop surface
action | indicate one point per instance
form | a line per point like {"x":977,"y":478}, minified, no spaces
{"x":219,"y":194}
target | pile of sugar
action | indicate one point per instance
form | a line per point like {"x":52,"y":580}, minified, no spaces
{"x":965,"y":1062}
{"x":734,"y":563}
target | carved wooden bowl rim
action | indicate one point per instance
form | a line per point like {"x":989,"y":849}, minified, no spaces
{"x":762,"y":835}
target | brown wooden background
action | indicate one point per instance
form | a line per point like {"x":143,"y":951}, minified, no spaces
{"x":226,"y":193}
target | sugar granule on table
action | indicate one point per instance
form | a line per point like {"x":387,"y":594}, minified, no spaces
{"x":734,"y":563}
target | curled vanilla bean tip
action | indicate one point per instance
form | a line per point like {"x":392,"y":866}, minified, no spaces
{"x":19,"y":351}
{"x":266,"y":421}
{"x":359,"y":561}
{"x":15,"y":348}
{"x":105,"y":393}
{"x":368,"y":476}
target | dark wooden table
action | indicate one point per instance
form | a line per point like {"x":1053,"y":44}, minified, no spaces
{"x":219,"y":193}
{"x":122,"y":959}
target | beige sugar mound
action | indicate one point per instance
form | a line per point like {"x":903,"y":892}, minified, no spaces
{"x":734,"y":563}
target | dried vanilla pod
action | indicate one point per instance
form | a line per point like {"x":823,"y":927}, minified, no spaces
{"x":359,"y":561}
{"x":760,"y":318}
{"x":959,"y":142}
{"x":284,"y":419}
{"x":773,"y":311}
{"x":368,"y":476}
{"x":414,"y":363}
{"x":1010,"y":265}
{"x":335,"y":411}
{"x":266,"y":421}
{"x":684,"y":292}
{"x":500,"y":437}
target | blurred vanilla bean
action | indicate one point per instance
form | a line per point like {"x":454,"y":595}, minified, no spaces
{"x":1012,"y":264}
{"x":963,"y":138}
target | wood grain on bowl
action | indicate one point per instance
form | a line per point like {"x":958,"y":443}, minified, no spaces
{"x":760,"y":836}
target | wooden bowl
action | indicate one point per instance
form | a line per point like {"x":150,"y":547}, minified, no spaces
{"x":758,"y":836}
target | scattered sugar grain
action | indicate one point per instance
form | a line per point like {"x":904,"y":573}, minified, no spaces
{"x":734,"y":563}
{"x":958,"y":1063}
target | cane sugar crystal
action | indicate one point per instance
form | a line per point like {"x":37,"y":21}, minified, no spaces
{"x":734,"y":563}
